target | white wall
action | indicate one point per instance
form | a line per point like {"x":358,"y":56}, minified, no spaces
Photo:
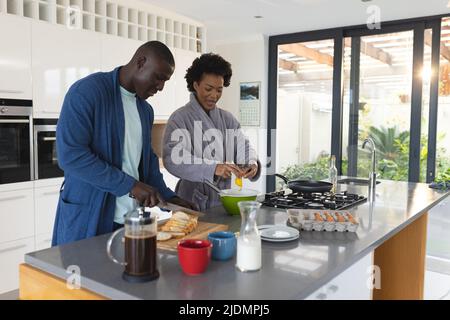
{"x":249,"y":61}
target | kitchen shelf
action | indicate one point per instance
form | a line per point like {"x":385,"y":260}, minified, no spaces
{"x":14,"y":7}
{"x":122,"y":13}
{"x":111,"y":10}
{"x":44,"y":12}
{"x":61,"y":15}
{"x":132,"y":32}
{"x":100,"y":24}
{"x":88,"y":22}
{"x":111,"y":17}
{"x":151,"y":21}
{"x":100,"y":7}
{"x":132,"y":16}
{"x":31,"y":9}
{"x":89,"y":6}
{"x":76,"y":4}
{"x":123,"y":29}
{"x":142,"y":18}
{"x":111,"y":27}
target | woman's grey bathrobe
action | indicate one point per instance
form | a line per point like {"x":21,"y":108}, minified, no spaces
{"x":193,"y":146}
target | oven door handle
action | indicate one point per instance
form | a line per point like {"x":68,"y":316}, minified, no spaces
{"x":48,"y":138}
{"x":10,"y":91}
{"x":14,"y":121}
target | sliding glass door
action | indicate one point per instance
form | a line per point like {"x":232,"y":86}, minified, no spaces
{"x":378,"y":104}
{"x":443,"y":110}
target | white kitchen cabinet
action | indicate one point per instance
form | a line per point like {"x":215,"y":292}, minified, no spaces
{"x":59,"y":58}
{"x":163,"y":102}
{"x":11,"y":256}
{"x":45,"y":203}
{"x":43,"y":241}
{"x":175,"y":93}
{"x":15,"y":57}
{"x":117,"y":51}
{"x":184,"y":59}
{"x":16,"y":214}
{"x":352,"y":284}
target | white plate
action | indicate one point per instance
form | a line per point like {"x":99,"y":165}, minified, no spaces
{"x":265,"y":226}
{"x":280,"y":233}
{"x":280,"y":240}
{"x":161,"y":215}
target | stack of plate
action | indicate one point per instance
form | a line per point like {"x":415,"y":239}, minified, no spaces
{"x":279,"y":233}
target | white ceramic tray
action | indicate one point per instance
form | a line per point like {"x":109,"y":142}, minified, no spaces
{"x":322,"y":220}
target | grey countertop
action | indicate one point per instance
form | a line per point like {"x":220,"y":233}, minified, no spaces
{"x":286,"y":271}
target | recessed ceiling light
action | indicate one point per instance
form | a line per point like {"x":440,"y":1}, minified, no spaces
{"x":258,"y":17}
{"x":366,"y":0}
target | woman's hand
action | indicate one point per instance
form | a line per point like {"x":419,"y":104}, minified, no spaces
{"x":250,"y":171}
{"x":225,"y":170}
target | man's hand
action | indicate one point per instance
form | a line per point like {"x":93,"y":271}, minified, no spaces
{"x":250,"y":171}
{"x":146,"y":195}
{"x":183,"y":203}
{"x":225,"y":170}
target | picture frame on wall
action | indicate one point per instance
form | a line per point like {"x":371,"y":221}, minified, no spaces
{"x":250,"y":104}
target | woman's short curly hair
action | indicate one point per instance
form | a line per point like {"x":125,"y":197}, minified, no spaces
{"x":209,"y":63}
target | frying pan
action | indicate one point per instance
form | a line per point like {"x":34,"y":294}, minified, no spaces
{"x":308,"y":186}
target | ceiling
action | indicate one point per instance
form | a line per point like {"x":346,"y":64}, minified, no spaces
{"x":232,"y":20}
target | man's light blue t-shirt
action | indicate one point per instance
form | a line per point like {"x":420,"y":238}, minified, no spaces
{"x":132,"y":150}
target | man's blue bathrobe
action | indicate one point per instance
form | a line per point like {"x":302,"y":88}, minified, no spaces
{"x":89,"y":141}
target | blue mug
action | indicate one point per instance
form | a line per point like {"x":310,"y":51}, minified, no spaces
{"x":224,"y":245}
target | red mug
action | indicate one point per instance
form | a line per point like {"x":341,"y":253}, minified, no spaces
{"x":194,"y":255}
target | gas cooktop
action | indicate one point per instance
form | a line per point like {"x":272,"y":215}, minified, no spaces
{"x":299,"y":200}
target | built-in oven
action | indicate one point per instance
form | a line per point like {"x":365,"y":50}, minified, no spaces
{"x":45,"y":157}
{"x":16,"y":141}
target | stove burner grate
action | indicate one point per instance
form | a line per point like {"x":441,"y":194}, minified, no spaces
{"x":325,"y":200}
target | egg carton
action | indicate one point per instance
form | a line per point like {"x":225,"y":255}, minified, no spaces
{"x":322,"y":220}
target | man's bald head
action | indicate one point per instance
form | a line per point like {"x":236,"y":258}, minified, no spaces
{"x":155,"y":49}
{"x":151,"y":66}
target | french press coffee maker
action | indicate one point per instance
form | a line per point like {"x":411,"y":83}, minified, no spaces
{"x":140,"y":246}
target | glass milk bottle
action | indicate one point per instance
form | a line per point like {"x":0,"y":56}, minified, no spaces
{"x":249,"y":240}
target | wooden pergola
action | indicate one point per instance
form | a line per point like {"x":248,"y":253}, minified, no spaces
{"x":383,"y":55}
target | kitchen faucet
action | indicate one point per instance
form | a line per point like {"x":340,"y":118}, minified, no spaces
{"x":372,"y":174}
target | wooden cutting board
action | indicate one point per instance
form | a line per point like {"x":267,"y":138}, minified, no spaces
{"x":201,"y":232}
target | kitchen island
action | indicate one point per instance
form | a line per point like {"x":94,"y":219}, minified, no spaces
{"x":393,"y":227}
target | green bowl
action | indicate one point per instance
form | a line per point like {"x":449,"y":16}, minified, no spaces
{"x":231,"y":197}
